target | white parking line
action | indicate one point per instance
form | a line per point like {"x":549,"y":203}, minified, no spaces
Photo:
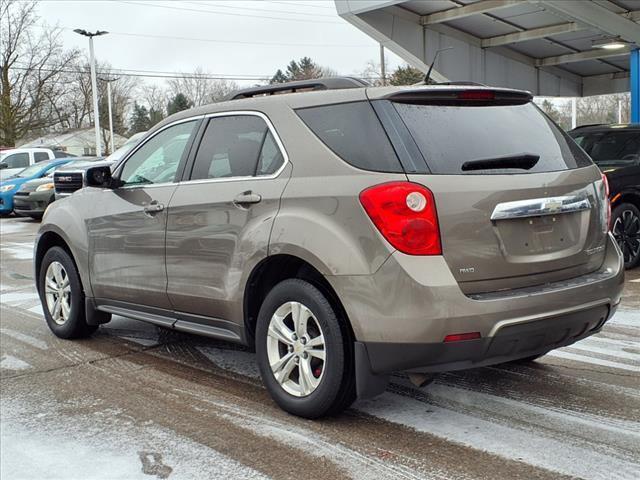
{"x":592,"y":360}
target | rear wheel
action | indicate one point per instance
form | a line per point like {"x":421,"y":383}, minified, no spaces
{"x":304,"y":352}
{"x":62,"y":295}
{"x":625,"y":227}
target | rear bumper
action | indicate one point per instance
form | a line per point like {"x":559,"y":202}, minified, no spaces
{"x":509,"y":343}
{"x":402,"y":313}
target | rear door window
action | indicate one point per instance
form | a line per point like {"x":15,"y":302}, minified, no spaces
{"x":40,"y":156}
{"x":354,"y":133}
{"x":450,"y":136}
{"x":236,"y":146}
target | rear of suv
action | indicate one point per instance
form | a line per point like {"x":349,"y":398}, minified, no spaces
{"x":346,"y":234}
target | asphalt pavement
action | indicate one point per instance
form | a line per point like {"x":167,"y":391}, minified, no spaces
{"x":138,"y":401}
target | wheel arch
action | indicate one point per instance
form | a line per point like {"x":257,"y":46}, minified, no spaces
{"x":273,"y":270}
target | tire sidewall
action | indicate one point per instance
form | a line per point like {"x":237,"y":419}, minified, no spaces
{"x":74,"y":326}
{"x":323,"y":397}
{"x":617,"y":211}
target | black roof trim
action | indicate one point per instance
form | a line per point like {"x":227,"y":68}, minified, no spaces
{"x":330,"y":83}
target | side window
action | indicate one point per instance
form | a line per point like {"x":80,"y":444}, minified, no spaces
{"x":353,"y":132}
{"x":62,"y":154}
{"x":158,"y":159}
{"x":270,"y":158}
{"x":236,"y":146}
{"x":40,"y":156}
{"x":17,"y":160}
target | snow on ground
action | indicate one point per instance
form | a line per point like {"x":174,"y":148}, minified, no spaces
{"x":52,"y":446}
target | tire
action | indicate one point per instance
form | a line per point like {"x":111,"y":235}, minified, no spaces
{"x":68,"y":320}
{"x":331,"y":385}
{"x":625,"y":227}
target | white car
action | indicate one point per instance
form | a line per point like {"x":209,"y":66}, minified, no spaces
{"x":16,"y":159}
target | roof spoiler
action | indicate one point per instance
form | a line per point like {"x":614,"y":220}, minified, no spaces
{"x":330,"y":83}
{"x":461,"y":96}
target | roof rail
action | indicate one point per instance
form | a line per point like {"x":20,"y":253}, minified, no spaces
{"x":329,"y":83}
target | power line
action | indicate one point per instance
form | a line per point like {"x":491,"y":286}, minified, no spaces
{"x":158,"y":74}
{"x":231,"y":14}
{"x":229,"y":42}
{"x":310,"y":5}
{"x":288,"y":12}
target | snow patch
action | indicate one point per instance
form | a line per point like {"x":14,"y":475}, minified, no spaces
{"x":9,"y":362}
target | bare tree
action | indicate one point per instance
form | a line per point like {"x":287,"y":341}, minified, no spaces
{"x":31,"y":66}
{"x":200,"y":88}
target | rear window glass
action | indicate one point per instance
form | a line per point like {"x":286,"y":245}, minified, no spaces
{"x":611,"y":148}
{"x":451,"y":137}
{"x":353,"y":132}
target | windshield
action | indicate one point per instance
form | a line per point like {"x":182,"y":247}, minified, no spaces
{"x":611,"y":148}
{"x":31,"y":171}
{"x":128,"y":145}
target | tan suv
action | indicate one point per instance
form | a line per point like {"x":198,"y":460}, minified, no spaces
{"x":346,"y":232}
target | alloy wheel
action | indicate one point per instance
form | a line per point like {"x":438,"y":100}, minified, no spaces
{"x":296,"y":349}
{"x":626,"y":230}
{"x":57,"y":290}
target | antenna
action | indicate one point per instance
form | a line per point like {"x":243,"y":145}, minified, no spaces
{"x":435,"y":57}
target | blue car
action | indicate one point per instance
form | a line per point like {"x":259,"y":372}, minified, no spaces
{"x":11,"y":185}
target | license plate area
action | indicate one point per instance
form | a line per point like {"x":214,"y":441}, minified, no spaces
{"x":542,"y":235}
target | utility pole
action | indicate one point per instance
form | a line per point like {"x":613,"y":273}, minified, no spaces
{"x":94,"y":84}
{"x":109,"y":80}
{"x":383,"y":72}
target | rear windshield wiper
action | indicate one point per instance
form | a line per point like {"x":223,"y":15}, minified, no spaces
{"x":523,"y":161}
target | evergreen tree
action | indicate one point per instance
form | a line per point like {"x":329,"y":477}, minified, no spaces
{"x":304,"y":69}
{"x":406,"y":76}
{"x":140,"y":121}
{"x":178,"y":103}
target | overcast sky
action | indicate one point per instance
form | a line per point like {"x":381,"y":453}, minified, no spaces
{"x":231,"y":37}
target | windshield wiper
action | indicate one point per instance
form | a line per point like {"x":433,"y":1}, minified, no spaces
{"x":523,"y":161}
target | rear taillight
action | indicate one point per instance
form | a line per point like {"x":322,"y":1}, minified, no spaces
{"x":405,"y":214}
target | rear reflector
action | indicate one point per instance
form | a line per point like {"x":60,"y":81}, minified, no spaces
{"x":460,"y":337}
{"x":405,"y":214}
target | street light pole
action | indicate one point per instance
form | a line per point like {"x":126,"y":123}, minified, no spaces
{"x":109,"y":80}
{"x":94,"y":84}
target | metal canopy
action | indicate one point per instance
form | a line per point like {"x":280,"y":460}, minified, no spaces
{"x":544,"y":46}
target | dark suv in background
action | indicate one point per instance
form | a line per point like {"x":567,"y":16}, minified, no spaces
{"x":616,"y":150}
{"x":345,"y":233}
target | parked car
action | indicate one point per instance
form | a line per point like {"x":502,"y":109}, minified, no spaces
{"x":73,"y":179}
{"x":10,"y":186}
{"x":16,"y":159}
{"x":34,"y":196}
{"x":346,"y":234}
{"x":616,"y":150}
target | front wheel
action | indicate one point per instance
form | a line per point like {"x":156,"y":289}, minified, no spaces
{"x":625,"y":227}
{"x":304,"y":351}
{"x":62,"y":296}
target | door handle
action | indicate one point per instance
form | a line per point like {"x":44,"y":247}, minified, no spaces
{"x":153,"y":207}
{"x":247,"y":198}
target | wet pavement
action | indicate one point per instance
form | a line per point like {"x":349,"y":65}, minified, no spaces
{"x":137,"y":401}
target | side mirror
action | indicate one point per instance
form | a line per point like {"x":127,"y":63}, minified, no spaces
{"x":100,"y":177}
{"x":3,"y":166}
